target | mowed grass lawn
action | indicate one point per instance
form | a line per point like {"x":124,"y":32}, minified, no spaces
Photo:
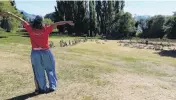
{"x":89,"y":71}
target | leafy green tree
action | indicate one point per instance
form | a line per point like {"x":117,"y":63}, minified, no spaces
{"x":174,"y":13}
{"x":92,"y":17}
{"x":47,"y":21}
{"x":13,"y":3}
{"x":108,"y":14}
{"x":98,"y":8}
{"x":123,"y":26}
{"x":50,"y":16}
{"x":9,"y":23}
{"x":154,"y":27}
{"x":79,"y":17}
{"x":170,"y":27}
{"x":59,"y":14}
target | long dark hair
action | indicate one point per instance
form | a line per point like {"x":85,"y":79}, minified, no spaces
{"x":37,"y":23}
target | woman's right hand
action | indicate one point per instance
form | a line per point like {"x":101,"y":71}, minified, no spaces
{"x":1,"y":13}
{"x":70,"y":23}
{"x":5,"y":13}
{"x":12,"y":15}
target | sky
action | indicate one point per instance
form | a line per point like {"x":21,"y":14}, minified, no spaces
{"x":138,"y":7}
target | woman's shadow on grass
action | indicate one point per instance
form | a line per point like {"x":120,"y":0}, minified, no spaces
{"x":168,"y":53}
{"x":24,"y":97}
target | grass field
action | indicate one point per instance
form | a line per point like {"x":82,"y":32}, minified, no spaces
{"x":89,"y":71}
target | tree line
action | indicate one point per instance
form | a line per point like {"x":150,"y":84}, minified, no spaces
{"x":108,"y":18}
{"x":158,"y":26}
{"x":105,"y":18}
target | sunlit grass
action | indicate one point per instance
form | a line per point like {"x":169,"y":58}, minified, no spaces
{"x":84,"y":63}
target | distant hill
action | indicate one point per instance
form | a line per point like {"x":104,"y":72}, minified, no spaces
{"x":50,"y":16}
{"x":27,"y":15}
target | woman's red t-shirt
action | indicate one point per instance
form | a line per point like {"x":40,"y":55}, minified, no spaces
{"x":39,"y":38}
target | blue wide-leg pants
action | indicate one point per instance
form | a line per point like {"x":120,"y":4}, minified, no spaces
{"x":43,"y":61}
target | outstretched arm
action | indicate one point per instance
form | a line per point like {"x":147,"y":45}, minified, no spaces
{"x":60,"y":23}
{"x":12,"y":15}
{"x":25,"y":23}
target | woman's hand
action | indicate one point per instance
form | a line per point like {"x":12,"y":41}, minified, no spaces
{"x":12,"y":15}
{"x":70,"y":23}
{"x":60,"y":23}
{"x":4,"y":13}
